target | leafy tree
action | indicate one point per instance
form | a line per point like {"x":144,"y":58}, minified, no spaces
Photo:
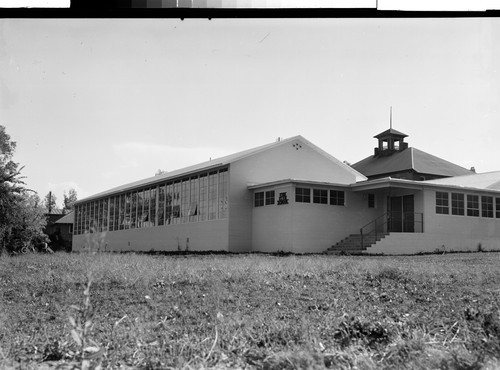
{"x":20,"y":220}
{"x":69,"y":200}
{"x":50,"y":202}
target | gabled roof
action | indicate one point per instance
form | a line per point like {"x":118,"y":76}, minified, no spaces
{"x":408,"y":159}
{"x":390,"y":132}
{"x":55,"y":211}
{"x":67,"y":219}
{"x":483,"y":181}
{"x":215,"y":163}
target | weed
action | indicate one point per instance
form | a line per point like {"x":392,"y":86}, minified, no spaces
{"x":249,"y":311}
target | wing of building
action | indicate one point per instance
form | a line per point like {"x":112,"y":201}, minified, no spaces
{"x":291,"y":195}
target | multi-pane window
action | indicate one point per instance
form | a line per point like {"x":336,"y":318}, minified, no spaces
{"x":320,"y":196}
{"x":152,"y":207}
{"x":105,"y":214}
{"x":457,"y":204}
{"x":303,"y":195}
{"x":195,"y":191}
{"x":213,"y":206}
{"x":161,"y":205}
{"x":259,"y":199}
{"x":169,"y":196}
{"x":442,"y":203}
{"x":203,"y":207}
{"x":185,"y":204}
{"x":195,"y":198}
{"x":487,"y":206}
{"x":337,"y":198}
{"x":371,"y":200}
{"x":497,"y":201}
{"x":223,"y":193}
{"x":472,"y":205}
{"x":269,"y":197}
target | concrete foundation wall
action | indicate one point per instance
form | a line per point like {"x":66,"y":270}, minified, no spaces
{"x":197,"y":236}
{"x":413,"y":243}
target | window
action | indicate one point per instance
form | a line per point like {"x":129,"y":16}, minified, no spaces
{"x":320,"y":196}
{"x":202,"y":210}
{"x":487,"y":206}
{"x":337,"y":198}
{"x":472,"y":205}
{"x":269,"y":197}
{"x":213,"y":204}
{"x":223,"y":193}
{"x":497,"y":200}
{"x":303,"y":195}
{"x":193,"y":207}
{"x":442,"y":203}
{"x":457,"y":204}
{"x":153,"y":206}
{"x":259,"y":199}
{"x":371,"y":200}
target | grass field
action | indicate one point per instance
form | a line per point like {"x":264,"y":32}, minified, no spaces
{"x":250,"y":311}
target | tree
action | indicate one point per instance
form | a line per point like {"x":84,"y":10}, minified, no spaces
{"x":20,"y":217}
{"x":49,"y":202}
{"x":69,"y":200}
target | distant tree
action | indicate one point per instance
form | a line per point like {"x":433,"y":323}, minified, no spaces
{"x":20,"y":217}
{"x":50,"y":202}
{"x":28,"y":222}
{"x":160,"y":172}
{"x":69,"y":200}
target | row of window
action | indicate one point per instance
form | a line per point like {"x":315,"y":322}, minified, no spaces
{"x":195,"y":198}
{"x":467,"y":204}
{"x":303,"y":195}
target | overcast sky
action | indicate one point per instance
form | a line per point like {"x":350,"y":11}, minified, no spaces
{"x":94,"y":104}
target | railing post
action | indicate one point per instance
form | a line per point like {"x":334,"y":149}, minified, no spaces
{"x":361,"y":233}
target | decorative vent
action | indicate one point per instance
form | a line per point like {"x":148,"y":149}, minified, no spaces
{"x":297,"y":146}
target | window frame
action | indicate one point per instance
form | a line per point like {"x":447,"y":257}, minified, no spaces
{"x":442,"y":203}
{"x":471,"y":201}
{"x":371,"y":200}
{"x":304,"y":196}
{"x":487,"y":208}
{"x":320,"y":196}
{"x":337,"y":197}
{"x":259,"y":199}
{"x":457,"y":204}
{"x":269,"y":197}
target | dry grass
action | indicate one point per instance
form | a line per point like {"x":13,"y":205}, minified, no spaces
{"x":252,"y":311}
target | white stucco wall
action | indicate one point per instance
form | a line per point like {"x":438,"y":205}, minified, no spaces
{"x":308,"y":227}
{"x":281,"y":162}
{"x":199,"y":236}
{"x":444,"y":232}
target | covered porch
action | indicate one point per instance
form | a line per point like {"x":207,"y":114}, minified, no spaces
{"x":400,"y":209}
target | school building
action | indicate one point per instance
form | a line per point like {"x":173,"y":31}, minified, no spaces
{"x":292,"y":196}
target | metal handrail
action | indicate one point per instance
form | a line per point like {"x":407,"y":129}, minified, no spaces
{"x":385,"y":217}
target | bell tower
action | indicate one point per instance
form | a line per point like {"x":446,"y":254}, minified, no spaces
{"x":390,"y":141}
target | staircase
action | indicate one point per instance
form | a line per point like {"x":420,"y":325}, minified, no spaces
{"x":352,"y":244}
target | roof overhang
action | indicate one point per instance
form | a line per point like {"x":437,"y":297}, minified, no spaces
{"x":390,"y":183}
{"x":295,"y":181}
{"x":386,"y":183}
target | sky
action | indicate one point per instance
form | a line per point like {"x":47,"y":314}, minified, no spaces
{"x":98,"y":103}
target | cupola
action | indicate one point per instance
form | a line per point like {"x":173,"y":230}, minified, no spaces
{"x":389,"y":142}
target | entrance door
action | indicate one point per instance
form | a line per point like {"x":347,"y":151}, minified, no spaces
{"x":402,"y":214}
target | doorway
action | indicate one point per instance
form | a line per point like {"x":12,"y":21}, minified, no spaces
{"x":402,"y":216}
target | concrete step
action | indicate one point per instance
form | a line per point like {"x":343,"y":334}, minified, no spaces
{"x":353,"y":243}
